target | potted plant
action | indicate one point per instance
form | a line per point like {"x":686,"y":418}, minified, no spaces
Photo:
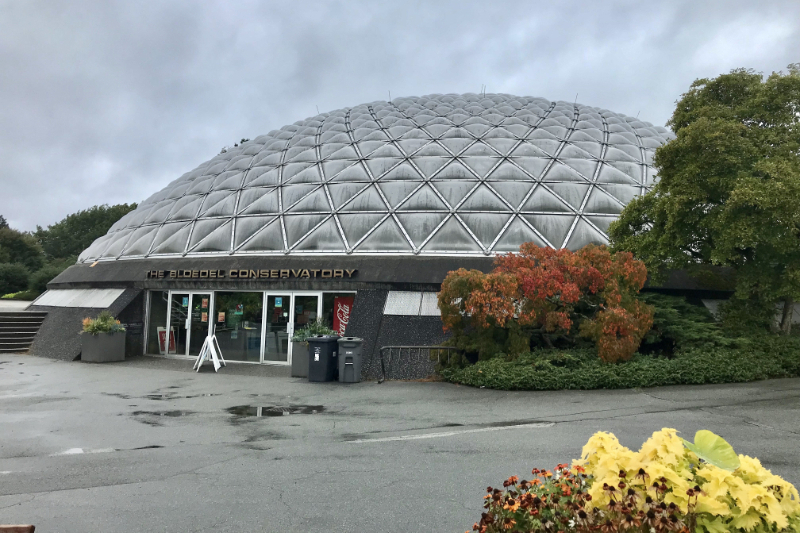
{"x":103,"y":339}
{"x":300,"y":345}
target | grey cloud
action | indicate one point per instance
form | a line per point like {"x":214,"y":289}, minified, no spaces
{"x":107,"y":102}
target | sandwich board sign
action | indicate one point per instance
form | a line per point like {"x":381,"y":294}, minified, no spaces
{"x":210,"y":352}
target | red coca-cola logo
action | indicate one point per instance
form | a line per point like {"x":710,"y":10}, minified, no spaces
{"x":343,"y":314}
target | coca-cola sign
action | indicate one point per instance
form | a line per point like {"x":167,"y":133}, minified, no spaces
{"x":342,"y":307}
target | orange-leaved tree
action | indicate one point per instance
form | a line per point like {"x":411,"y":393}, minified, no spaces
{"x":549,"y":295}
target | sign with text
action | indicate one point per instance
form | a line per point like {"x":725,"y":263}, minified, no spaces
{"x":342,"y":307}
{"x":248,"y":274}
{"x":162,"y":340}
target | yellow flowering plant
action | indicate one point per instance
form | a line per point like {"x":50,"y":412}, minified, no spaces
{"x":746,"y":498}
{"x":669,"y":485}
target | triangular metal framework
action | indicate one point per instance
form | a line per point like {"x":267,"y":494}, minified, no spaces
{"x":468,"y":174}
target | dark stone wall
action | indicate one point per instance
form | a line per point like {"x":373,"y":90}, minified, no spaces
{"x":378,"y":330}
{"x":365,"y":322}
{"x":59,"y":337}
{"x":407,"y":331}
{"x":60,"y":334}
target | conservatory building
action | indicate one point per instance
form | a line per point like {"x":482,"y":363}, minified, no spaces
{"x":353,"y":217}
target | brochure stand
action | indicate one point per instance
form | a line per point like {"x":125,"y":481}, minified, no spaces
{"x":210,"y":351}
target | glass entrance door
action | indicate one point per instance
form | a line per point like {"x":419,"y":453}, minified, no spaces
{"x":178,"y":323}
{"x":283,"y":315}
{"x":277,"y":321}
{"x":188,"y":323}
{"x":198,"y":321}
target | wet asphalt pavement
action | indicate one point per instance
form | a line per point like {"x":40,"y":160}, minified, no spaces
{"x":148,"y":446}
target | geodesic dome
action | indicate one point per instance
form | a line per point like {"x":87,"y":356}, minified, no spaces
{"x":434,"y":175}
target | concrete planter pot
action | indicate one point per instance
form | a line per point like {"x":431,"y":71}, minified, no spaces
{"x":103,"y":347}
{"x":299,"y":359}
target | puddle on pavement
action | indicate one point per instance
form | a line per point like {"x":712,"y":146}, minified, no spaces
{"x":171,"y":414}
{"x":159,"y":397}
{"x":170,"y":396}
{"x":275,"y":410}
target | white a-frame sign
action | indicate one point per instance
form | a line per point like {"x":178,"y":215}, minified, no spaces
{"x":210,"y":351}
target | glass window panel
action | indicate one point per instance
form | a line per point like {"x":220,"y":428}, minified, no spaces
{"x":157,"y":323}
{"x":305,"y":310}
{"x":402,"y":303}
{"x":276,"y":342}
{"x":430,"y":304}
{"x":237,"y":322}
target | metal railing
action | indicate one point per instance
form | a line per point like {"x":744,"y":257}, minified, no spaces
{"x":393,"y":355}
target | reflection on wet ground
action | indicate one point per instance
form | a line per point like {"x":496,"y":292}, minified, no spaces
{"x":171,"y":396}
{"x":153,"y":418}
{"x":170,"y":414}
{"x":275,"y":410}
{"x":160,"y":397}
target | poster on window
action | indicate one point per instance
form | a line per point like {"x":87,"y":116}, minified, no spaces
{"x":342,"y":307}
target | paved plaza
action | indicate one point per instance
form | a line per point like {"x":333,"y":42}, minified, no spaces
{"x":148,"y":446}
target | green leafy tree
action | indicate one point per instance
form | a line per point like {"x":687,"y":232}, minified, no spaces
{"x":3,"y":222}
{"x":13,"y":278}
{"x":729,"y":190}
{"x":20,"y":248}
{"x":38,"y":280}
{"x":69,"y":237}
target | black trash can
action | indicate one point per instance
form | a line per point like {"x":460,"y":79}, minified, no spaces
{"x":350,"y":359}
{"x":322,"y":365}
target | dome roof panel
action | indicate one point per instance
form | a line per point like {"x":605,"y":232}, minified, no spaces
{"x":420,"y":226}
{"x":518,"y":231}
{"x":454,"y":236}
{"x":387,"y":237}
{"x":467,"y":174}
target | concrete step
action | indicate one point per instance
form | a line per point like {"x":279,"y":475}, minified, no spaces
{"x":6,"y":318}
{"x":14,"y":338}
{"x":15,"y":325}
{"x":14,"y":347}
{"x":17,"y":332}
{"x":18,"y":329}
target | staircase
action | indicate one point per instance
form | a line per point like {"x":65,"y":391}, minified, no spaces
{"x":17,"y":330}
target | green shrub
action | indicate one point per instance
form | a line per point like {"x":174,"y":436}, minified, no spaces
{"x":678,"y":324}
{"x":22,"y":295}
{"x":39,"y":279}
{"x":312,"y":329}
{"x":13,"y":278}
{"x":747,"y":359}
{"x":747,"y":315}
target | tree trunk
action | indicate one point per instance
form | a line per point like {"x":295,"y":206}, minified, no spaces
{"x":786,"y":317}
{"x":547,"y":340}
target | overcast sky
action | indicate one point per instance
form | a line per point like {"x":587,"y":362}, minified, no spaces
{"x":107,"y":102}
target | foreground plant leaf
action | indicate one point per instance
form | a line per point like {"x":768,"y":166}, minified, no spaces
{"x":713,"y":449}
